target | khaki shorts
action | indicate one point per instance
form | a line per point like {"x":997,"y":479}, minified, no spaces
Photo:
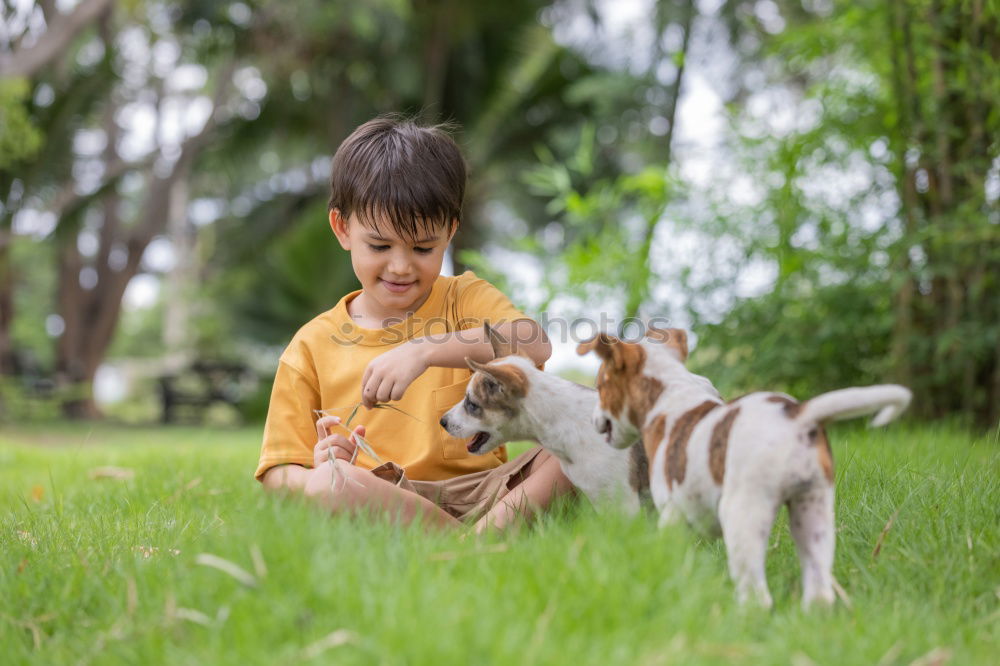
{"x":466,"y":497}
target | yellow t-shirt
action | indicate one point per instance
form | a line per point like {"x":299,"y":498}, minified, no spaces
{"x":322,"y":368}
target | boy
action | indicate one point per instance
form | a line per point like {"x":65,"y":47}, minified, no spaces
{"x":396,"y":201}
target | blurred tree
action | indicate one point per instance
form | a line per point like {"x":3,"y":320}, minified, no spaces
{"x":35,"y":126}
{"x":94,"y":93}
{"x":303,"y":75}
{"x":493,"y":70}
{"x":878,"y":163}
{"x":606,"y":198}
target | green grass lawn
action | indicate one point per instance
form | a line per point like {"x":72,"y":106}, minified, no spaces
{"x":108,"y":570}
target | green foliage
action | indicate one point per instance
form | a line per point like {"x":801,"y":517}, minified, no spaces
{"x":603,"y":227}
{"x":295,"y":278}
{"x":107,"y":570}
{"x":801,"y":341}
{"x":875,"y":210}
{"x":20,"y":138}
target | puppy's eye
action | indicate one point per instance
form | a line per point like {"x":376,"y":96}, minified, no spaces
{"x":472,"y":408}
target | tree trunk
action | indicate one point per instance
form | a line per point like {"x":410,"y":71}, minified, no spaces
{"x":6,"y":303}
{"x":959,"y":371}
{"x":91,"y":315}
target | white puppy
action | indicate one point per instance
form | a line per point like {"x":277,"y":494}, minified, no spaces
{"x":728,"y":467}
{"x":509,"y":399}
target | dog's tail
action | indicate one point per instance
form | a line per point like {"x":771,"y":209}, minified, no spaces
{"x":886,"y":401}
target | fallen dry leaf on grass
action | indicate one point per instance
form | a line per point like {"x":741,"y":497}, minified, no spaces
{"x":111,"y":472}
{"x":37,"y":493}
{"x":936,"y":657}
{"x":149,"y":551}
{"x":454,"y":554}
{"x":332,"y":640}
{"x":225,"y":566}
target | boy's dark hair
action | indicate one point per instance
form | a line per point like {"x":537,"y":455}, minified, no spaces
{"x":412,"y":175}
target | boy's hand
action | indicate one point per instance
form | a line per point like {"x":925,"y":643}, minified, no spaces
{"x":343,"y":448}
{"x":388,"y":376}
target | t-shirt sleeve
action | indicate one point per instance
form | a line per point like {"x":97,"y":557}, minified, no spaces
{"x":479,"y":302}
{"x":290,"y":429}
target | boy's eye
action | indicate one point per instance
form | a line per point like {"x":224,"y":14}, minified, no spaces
{"x":423,"y":250}
{"x":378,"y":248}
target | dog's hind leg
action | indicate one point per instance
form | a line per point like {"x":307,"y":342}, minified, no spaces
{"x":670,"y":514}
{"x":811,"y":518}
{"x":746,"y":520}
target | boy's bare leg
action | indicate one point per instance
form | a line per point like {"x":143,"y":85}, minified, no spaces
{"x":352,"y":489}
{"x":544,"y":482}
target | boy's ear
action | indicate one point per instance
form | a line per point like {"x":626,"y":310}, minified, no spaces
{"x":453,"y":231}
{"x":338,"y":223}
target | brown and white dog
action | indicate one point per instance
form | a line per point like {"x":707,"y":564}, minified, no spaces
{"x":509,"y":399}
{"x":728,"y":467}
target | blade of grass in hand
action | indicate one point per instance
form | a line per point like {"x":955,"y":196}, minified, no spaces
{"x":384,"y":405}
{"x":367,"y":448}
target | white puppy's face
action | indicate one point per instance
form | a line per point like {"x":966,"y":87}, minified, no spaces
{"x":626,"y":393}
{"x":488,"y":413}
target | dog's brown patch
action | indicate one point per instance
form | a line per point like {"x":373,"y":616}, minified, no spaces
{"x":652,"y":436}
{"x":638,"y":472}
{"x":512,"y":377}
{"x":824,"y":453}
{"x":719,"y":444}
{"x":672,"y":337}
{"x":620,"y":379}
{"x":643,"y":394}
{"x":498,"y":385}
{"x":792,"y":408}
{"x":610,"y":391}
{"x":676,"y":458}
{"x":601,"y":343}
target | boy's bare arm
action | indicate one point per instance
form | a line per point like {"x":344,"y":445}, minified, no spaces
{"x":387,"y":376}
{"x":450,"y":351}
{"x":286,"y":477}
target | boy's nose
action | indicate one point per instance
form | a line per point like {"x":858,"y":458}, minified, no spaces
{"x":399,"y":265}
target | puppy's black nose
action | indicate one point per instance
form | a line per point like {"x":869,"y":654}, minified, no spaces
{"x":444,"y":422}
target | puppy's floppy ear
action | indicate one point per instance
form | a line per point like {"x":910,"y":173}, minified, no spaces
{"x":601,"y":343}
{"x":476,"y":366}
{"x":501,"y":345}
{"x":674,"y":338}
{"x":493,"y":382}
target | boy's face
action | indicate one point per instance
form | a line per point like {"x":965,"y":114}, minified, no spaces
{"x":396,"y":272}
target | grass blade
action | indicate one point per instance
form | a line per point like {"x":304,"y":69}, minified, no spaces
{"x":353,"y":414}
{"x":225,"y":566}
{"x":367,"y":448}
{"x":385,"y":405}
